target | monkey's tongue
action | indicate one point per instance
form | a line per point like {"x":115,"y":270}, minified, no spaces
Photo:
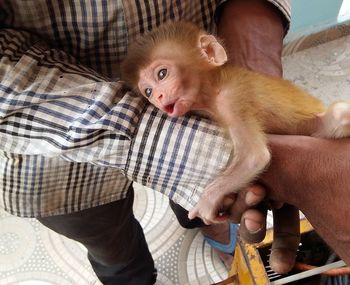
{"x":176,"y":109}
{"x":169,"y":108}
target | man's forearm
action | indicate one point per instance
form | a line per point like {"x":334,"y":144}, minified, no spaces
{"x":307,"y":166}
{"x":253,"y":32}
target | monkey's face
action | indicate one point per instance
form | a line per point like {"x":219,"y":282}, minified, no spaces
{"x":169,"y":87}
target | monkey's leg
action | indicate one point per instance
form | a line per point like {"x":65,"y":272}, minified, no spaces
{"x":334,"y":122}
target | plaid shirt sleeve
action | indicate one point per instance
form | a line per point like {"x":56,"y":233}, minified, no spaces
{"x":71,"y":136}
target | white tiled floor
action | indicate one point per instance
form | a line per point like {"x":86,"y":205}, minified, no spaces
{"x":32,"y":255}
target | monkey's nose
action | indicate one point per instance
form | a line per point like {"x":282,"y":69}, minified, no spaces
{"x":160,"y":97}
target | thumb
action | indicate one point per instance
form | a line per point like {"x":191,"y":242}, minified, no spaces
{"x":193,"y":213}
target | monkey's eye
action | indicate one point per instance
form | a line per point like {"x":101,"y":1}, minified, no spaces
{"x":162,"y":73}
{"x":148,"y":92}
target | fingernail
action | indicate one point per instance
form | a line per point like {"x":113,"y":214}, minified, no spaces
{"x":251,"y":198}
{"x":252,"y":226}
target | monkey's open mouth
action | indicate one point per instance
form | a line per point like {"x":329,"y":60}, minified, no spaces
{"x":169,"y":108}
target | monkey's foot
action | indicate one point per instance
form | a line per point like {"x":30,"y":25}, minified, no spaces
{"x":222,"y":238}
{"x":335,"y":121}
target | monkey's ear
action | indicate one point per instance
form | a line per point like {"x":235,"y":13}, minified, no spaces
{"x":212,"y":50}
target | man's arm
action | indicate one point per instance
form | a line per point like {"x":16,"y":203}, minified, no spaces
{"x":253,"y":32}
{"x":313,"y":174}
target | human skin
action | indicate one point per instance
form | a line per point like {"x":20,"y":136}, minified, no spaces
{"x":253,"y":33}
{"x":313,"y":174}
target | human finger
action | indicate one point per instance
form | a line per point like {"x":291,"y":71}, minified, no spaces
{"x":286,"y":232}
{"x":253,"y":225}
{"x":246,"y":199}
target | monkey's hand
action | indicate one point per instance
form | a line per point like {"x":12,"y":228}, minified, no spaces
{"x":230,"y":207}
{"x":211,"y":209}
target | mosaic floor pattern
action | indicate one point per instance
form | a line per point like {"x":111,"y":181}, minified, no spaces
{"x":33,"y":255}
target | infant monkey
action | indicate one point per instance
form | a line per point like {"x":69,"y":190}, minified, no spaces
{"x":180,"y":68}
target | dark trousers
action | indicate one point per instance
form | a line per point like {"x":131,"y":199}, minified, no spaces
{"x":182,"y":216}
{"x":117,"y":249}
